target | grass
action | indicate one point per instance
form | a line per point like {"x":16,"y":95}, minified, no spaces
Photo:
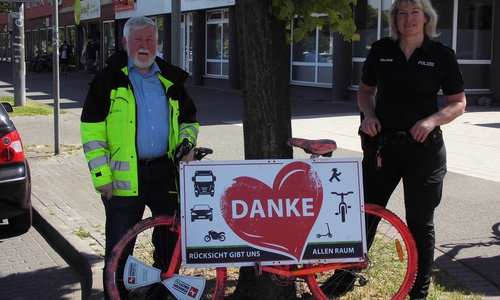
{"x":81,"y":233}
{"x":49,"y":148}
{"x":445,"y":287}
{"x":31,"y":109}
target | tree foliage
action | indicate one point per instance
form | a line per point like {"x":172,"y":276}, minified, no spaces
{"x":5,"y":7}
{"x":311,"y":15}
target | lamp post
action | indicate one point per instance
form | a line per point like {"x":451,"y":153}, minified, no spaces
{"x":176,"y":33}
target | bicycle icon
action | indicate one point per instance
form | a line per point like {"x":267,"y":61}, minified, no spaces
{"x":342,"y":205}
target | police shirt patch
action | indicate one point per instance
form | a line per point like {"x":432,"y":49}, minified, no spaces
{"x":426,"y":63}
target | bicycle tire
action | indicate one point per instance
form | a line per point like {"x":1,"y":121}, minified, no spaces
{"x":343,"y":212}
{"x":391,"y":269}
{"x":140,"y":235}
{"x":38,"y":66}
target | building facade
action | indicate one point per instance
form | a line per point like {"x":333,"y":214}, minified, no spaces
{"x":322,"y":65}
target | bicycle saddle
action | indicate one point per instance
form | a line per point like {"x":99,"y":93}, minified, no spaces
{"x":321,"y":147}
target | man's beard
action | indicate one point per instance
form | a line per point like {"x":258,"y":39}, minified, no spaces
{"x":141,"y":64}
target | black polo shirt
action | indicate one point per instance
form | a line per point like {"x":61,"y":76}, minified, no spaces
{"x":407,"y":90}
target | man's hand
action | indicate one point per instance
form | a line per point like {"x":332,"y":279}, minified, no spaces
{"x":106,"y":190}
{"x":188,"y":157}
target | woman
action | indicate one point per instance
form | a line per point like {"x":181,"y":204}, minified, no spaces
{"x":401,"y":134}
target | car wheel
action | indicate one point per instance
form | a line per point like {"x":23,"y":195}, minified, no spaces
{"x":21,"y":223}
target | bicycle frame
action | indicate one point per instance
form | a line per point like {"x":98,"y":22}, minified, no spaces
{"x":176,"y":259}
{"x":283,"y":270}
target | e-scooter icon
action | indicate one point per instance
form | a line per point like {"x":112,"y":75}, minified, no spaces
{"x":329,"y":234}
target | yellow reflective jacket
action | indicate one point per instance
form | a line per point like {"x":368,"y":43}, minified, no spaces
{"x":109,"y":123}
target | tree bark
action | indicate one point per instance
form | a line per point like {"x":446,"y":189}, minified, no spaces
{"x":265,"y":76}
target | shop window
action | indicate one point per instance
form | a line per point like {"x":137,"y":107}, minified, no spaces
{"x":50,"y":41}
{"x":312,"y":56}
{"x":43,"y":40}
{"x":217,"y":43}
{"x":474,"y":29}
{"x":188,"y":43}
{"x":109,"y":43}
{"x":71,"y":39}
{"x":372,"y":22}
{"x":444,"y":10}
{"x":36,"y":41}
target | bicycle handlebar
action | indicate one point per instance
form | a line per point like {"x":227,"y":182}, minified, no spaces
{"x":186,"y":146}
{"x":201,"y":152}
{"x":342,"y":194}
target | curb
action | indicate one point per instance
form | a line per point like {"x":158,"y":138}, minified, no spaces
{"x":88,"y":264}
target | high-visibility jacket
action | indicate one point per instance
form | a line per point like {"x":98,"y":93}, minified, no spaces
{"x":109,"y":123}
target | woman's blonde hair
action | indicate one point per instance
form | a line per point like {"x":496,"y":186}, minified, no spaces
{"x":425,"y":6}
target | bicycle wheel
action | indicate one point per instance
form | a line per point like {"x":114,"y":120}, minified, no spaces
{"x":392,"y":263}
{"x":144,"y":260}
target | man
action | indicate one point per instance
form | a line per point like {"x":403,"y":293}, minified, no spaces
{"x":136,"y":113}
{"x":64,"y":53}
{"x":92,"y":57}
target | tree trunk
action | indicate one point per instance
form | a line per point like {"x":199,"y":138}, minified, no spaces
{"x":265,"y":75}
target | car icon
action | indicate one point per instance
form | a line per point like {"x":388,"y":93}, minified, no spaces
{"x":204,"y":183}
{"x":202,"y":211}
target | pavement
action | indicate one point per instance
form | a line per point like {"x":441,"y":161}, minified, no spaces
{"x":70,"y":214}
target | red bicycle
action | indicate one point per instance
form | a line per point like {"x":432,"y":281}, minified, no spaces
{"x":387,"y":271}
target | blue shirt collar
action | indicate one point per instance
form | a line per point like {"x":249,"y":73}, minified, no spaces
{"x":154,"y":68}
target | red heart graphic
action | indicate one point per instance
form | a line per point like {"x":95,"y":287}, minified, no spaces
{"x":278,"y":218}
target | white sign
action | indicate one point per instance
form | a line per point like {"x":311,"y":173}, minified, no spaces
{"x":90,"y":9}
{"x":272,"y":211}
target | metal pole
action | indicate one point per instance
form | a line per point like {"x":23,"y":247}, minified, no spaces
{"x":17,"y":55}
{"x":176,"y":33}
{"x":55,"y":52}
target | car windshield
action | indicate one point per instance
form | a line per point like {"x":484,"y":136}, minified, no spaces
{"x":204,"y":178}
{"x":201,"y":207}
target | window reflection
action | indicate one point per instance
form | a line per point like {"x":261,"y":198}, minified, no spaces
{"x":217,"y":42}
{"x":312,"y":56}
{"x":372,"y":24}
{"x":474,"y":34}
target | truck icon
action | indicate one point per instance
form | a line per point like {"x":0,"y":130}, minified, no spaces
{"x":204,"y":183}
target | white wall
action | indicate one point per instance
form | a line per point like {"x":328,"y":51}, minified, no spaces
{"x":157,"y":7}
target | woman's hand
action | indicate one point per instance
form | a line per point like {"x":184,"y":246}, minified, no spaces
{"x":421,"y":129}
{"x":366,"y":102}
{"x":371,"y":125}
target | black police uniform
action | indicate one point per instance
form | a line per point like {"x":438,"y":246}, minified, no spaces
{"x":406,"y":93}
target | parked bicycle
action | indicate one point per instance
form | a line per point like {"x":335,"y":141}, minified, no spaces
{"x":40,"y":61}
{"x":387,"y":271}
